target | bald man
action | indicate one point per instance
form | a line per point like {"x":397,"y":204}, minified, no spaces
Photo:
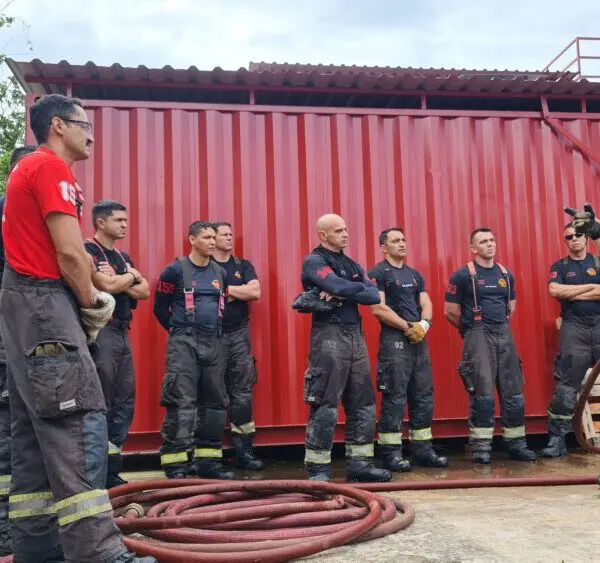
{"x":338,"y":364}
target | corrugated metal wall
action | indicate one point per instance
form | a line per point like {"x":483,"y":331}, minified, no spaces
{"x":272,"y":173}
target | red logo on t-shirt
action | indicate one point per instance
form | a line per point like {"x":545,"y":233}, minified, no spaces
{"x":451,"y":289}
{"x":324,"y":272}
{"x":553,"y":275}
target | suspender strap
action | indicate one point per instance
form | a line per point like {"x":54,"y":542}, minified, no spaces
{"x":219,"y":275}
{"x":188,"y":291}
{"x":507,"y":278}
{"x":473,"y":275}
{"x":95,"y":242}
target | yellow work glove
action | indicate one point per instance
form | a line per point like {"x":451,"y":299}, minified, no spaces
{"x":415,"y":333}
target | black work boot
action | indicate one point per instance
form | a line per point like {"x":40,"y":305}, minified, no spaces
{"x":114,"y":481}
{"x":392,"y":459}
{"x":318,"y":471}
{"x":517,"y":449}
{"x":482,"y":451}
{"x":5,"y":538}
{"x":363,"y":470}
{"x":212,"y":468}
{"x":115,"y":464}
{"x":424,"y":455}
{"x":244,"y":457}
{"x":129,"y":557}
{"x":556,"y":446}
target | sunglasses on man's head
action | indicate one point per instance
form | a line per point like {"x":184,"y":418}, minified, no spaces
{"x":576,"y":235}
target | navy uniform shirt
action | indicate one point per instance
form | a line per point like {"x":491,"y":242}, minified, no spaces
{"x":351,"y":284}
{"x":169,"y":300}
{"x":236,"y":313}
{"x":118,"y":261}
{"x":492,"y":294}
{"x":402,"y":287}
{"x":576,"y":272}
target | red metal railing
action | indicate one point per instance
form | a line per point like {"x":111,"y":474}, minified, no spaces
{"x":575,"y":67}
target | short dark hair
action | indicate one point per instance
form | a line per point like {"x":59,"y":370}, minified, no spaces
{"x":383,"y":236}
{"x":104,"y":209}
{"x":18,"y":153}
{"x":198,"y":226}
{"x":47,"y":108}
{"x":480,"y":230}
{"x":221,"y":224}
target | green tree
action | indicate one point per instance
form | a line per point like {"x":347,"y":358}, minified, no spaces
{"x":12,"y":103}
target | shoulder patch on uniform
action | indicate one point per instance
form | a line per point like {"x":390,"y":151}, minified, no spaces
{"x":216,"y":284}
{"x":237,"y":274}
{"x":591,"y":272}
{"x":502,"y":282}
{"x":451,"y":289}
{"x":554,"y":274}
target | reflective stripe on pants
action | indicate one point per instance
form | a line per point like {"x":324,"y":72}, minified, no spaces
{"x":420,"y":434}
{"x":208,"y":453}
{"x":29,"y":505}
{"x":82,"y":505}
{"x":359,"y":450}
{"x":512,"y":433}
{"x":168,"y":459}
{"x":389,"y":439}
{"x":317,"y":456}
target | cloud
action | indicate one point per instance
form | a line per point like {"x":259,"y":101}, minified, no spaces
{"x":230,"y":33}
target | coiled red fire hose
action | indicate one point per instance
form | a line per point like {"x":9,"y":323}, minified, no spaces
{"x":579,"y":408}
{"x":242,"y":521}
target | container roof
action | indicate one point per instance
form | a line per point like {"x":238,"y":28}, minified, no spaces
{"x":313,"y":81}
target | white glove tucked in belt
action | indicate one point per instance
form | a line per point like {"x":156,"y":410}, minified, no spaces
{"x":95,"y":319}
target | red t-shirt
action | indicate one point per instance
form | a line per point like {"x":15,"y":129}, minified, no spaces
{"x":41,"y":183}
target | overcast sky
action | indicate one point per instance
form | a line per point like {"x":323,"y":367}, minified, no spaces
{"x":231,"y":33}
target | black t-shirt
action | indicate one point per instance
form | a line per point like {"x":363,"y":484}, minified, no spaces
{"x":402,"y":286}
{"x":492,"y":294}
{"x":118,"y":261}
{"x":576,"y":272}
{"x":239,"y":272}
{"x":169,"y":299}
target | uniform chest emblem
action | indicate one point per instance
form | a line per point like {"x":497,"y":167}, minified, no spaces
{"x":481,"y":282}
{"x":591,"y":272}
{"x":216,"y":284}
{"x":571,"y":274}
{"x":237,"y":275}
{"x":502,"y":282}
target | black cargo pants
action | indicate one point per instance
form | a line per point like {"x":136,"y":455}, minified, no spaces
{"x":114,"y":363}
{"x":58,"y":427}
{"x":5,"y":451}
{"x":338,"y":370}
{"x":193,"y":392}
{"x":240,"y":377}
{"x":404,"y":374}
{"x":490,"y":359}
{"x":578,"y":351}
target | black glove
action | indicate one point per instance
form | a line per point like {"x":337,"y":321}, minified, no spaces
{"x":585,"y":221}
{"x":310,"y":302}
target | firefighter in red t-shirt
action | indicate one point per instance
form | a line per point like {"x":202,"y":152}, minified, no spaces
{"x":49,"y":313}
